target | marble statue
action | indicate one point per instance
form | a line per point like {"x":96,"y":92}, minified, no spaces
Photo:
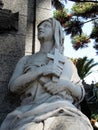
{"x":49,"y":85}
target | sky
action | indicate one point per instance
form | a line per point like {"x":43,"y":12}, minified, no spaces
{"x":89,"y":51}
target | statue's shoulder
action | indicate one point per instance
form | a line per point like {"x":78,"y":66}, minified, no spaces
{"x":69,"y":62}
{"x":67,"y":59}
{"x":23,"y":60}
{"x":28,"y":59}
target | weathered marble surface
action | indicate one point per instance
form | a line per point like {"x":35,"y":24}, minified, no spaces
{"x":49,"y":86}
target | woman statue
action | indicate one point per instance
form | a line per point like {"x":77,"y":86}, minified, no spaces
{"x":49,"y":86}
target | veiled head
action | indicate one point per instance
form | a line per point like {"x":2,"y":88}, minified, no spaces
{"x":56,"y":32}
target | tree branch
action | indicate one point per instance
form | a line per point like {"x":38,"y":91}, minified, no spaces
{"x":84,"y":1}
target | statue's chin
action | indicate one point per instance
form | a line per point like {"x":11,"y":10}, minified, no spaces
{"x":40,"y":38}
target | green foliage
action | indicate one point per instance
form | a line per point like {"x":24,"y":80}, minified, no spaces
{"x":74,"y":27}
{"x":84,"y":66}
{"x":81,"y":13}
{"x":95,"y":116}
{"x":94,"y":33}
{"x":80,"y":41}
{"x":86,"y":10}
{"x":58,"y":4}
{"x":61,"y":15}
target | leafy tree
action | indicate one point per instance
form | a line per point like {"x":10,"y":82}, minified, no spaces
{"x":84,"y":66}
{"x":96,"y":84}
{"x":82,"y":11}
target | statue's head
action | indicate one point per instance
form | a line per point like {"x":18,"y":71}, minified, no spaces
{"x":53,"y":31}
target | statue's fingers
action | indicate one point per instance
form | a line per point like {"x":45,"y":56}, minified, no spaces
{"x":58,"y":73}
{"x":46,"y":85}
{"x":60,"y":66}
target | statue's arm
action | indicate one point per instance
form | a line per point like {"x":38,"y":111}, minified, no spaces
{"x":21,"y":80}
{"x":75,"y":89}
{"x":72,"y":85}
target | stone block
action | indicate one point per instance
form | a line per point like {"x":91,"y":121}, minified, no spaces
{"x":7,"y":4}
{"x":16,"y":6}
{"x":7,"y":106}
{"x":3,"y":88}
{"x":28,"y":46}
{"x":41,"y":14}
{"x":40,"y":3}
{"x":22,"y":25}
{"x":37,"y":44}
{"x":2,"y":116}
{"x":29,"y":30}
{"x":20,"y":6}
{"x":11,"y":49}
{"x":7,"y":66}
{"x":12,"y":44}
{"x":29,"y":39}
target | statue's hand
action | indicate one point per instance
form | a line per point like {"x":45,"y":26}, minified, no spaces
{"x":52,"y":69}
{"x":54,"y":87}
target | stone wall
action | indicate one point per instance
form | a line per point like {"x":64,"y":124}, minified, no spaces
{"x":14,"y":45}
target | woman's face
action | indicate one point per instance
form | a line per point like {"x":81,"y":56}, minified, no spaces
{"x":45,"y":31}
